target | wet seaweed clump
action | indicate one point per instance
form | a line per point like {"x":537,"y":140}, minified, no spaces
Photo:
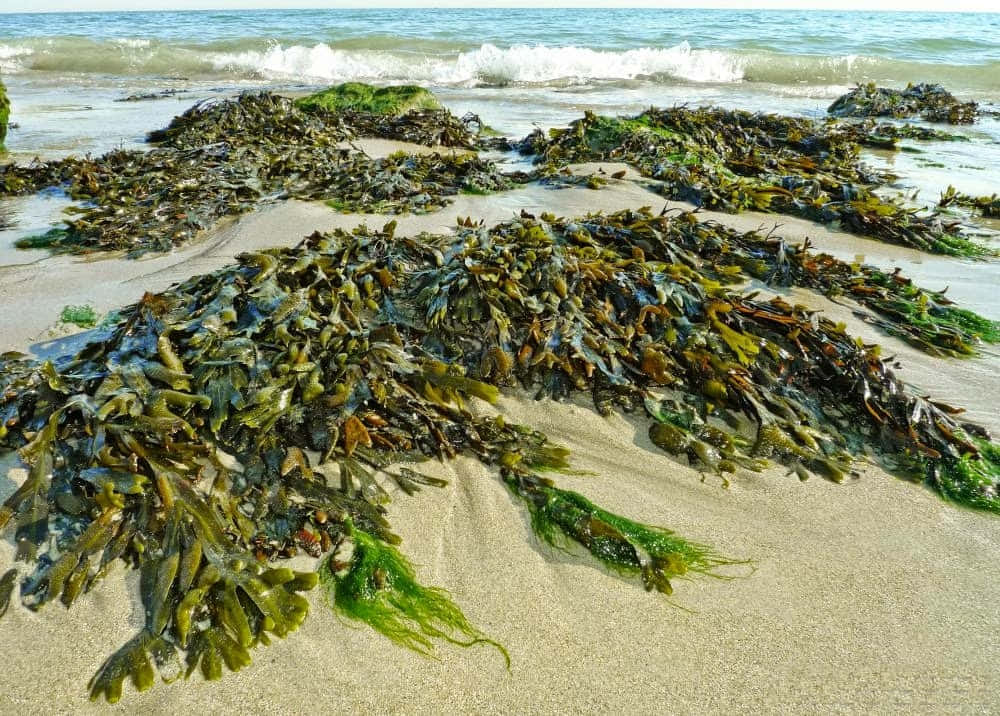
{"x":361,"y":97}
{"x":926,"y":319}
{"x":264,"y":410}
{"x":225,"y":157}
{"x":4,"y":113}
{"x":735,"y":161}
{"x":930,"y":102}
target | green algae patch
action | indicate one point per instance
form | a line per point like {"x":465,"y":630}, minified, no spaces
{"x":4,"y":113}
{"x":379,"y":587}
{"x":972,"y":479}
{"x":361,"y":97}
{"x":82,"y":316}
{"x":561,"y":516}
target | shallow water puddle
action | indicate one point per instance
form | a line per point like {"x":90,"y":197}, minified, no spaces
{"x":23,"y":216}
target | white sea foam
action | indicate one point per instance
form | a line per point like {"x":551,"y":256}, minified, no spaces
{"x":488,"y":64}
{"x":537,"y":65}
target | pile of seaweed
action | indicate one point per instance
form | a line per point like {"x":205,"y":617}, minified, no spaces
{"x":930,"y":102}
{"x":222,"y":158}
{"x":926,"y":319}
{"x":261,"y":410}
{"x":735,"y":160}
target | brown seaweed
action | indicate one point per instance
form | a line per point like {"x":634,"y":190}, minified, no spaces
{"x":931,"y":102}
{"x":225,"y":157}
{"x":188,"y":439}
{"x":735,"y":160}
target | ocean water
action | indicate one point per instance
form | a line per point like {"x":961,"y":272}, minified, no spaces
{"x":515,"y":68}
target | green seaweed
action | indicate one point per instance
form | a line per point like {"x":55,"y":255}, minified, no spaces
{"x":379,"y":587}
{"x":4,"y":113}
{"x":360,"y":97}
{"x":54,"y":239}
{"x":656,"y":553}
{"x":971,"y":480}
{"x":83,"y":316}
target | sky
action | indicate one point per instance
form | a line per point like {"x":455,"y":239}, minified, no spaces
{"x":81,"y":5}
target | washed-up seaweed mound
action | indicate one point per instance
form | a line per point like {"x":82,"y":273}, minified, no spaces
{"x":264,"y":118}
{"x":931,"y":102}
{"x":254,"y":117}
{"x":223,"y":158}
{"x":404,"y":183}
{"x":258,"y":411}
{"x":735,"y":160}
{"x":431,"y":127}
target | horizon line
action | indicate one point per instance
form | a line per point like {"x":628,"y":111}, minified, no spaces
{"x":849,"y":7}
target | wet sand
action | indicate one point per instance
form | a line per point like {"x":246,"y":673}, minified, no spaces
{"x":872,"y":596}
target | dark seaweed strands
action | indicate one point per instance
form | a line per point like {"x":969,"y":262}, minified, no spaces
{"x":224,"y":158}
{"x":931,"y":102}
{"x":364,"y":348}
{"x":273,"y":119}
{"x":928,"y":320}
{"x":737,"y":160}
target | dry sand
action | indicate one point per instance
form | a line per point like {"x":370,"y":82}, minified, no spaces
{"x":872,"y":596}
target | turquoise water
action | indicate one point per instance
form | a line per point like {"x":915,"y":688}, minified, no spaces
{"x":497,"y":47}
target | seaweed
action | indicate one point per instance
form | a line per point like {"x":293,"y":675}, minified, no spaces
{"x":931,"y":102}
{"x":225,"y":157}
{"x":379,"y":587}
{"x":82,"y":316}
{"x":4,"y":113}
{"x":735,"y":161}
{"x":988,"y":206}
{"x":360,"y":97}
{"x":626,"y":546}
{"x":200,"y":439}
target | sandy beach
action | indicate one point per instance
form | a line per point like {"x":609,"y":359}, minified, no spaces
{"x":872,"y":596}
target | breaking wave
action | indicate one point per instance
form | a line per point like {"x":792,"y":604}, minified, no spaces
{"x":490,"y":64}
{"x":453,"y":64}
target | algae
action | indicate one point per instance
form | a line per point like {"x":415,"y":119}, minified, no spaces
{"x":83,"y":316}
{"x":4,"y":113}
{"x":360,"y":97}
{"x":931,"y":102}
{"x":223,"y":158}
{"x":180,"y":442}
{"x":378,"y":586}
{"x":735,"y":161}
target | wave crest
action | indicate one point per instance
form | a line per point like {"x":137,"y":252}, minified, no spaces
{"x":398,"y":60}
{"x":488,"y":64}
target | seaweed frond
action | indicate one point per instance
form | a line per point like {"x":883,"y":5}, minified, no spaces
{"x":379,"y":587}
